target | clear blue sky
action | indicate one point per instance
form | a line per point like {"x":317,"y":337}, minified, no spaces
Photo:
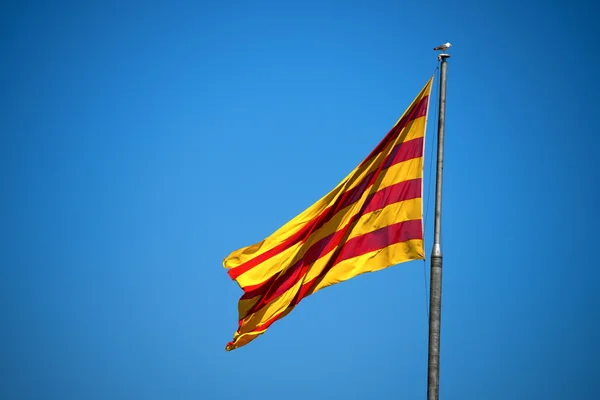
{"x":141,"y":144}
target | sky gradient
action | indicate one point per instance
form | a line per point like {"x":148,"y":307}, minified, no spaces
{"x":141,"y":144}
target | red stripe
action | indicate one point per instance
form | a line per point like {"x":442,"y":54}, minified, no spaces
{"x":278,"y":284}
{"x":386,"y":236}
{"x":402,"y":152}
{"x":379,"y":239}
{"x":419,"y":110}
{"x":401,"y":191}
{"x":408,"y":150}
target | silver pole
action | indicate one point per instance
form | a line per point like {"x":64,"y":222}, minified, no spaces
{"x":435,"y":296}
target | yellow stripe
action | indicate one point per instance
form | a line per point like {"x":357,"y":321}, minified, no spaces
{"x":394,"y":213}
{"x":245,"y":254}
{"x":374,"y":261}
{"x":273,"y":265}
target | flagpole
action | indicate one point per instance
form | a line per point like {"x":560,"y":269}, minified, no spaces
{"x":435,"y":296}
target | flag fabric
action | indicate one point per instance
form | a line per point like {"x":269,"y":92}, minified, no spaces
{"x":370,"y":221}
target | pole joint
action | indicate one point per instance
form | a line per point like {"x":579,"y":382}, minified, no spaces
{"x":436,"y":251}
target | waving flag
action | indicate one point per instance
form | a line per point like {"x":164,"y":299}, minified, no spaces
{"x":370,"y":221}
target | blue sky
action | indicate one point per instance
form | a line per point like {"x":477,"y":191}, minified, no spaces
{"x":141,"y":144}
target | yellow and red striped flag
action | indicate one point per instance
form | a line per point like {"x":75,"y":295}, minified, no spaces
{"x":370,"y":221}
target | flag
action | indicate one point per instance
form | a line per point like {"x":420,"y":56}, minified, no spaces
{"x":370,"y":221}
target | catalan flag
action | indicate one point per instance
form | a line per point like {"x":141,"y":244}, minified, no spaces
{"x":370,"y":221}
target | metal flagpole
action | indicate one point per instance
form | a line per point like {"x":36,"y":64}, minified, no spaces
{"x":435,"y":296}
